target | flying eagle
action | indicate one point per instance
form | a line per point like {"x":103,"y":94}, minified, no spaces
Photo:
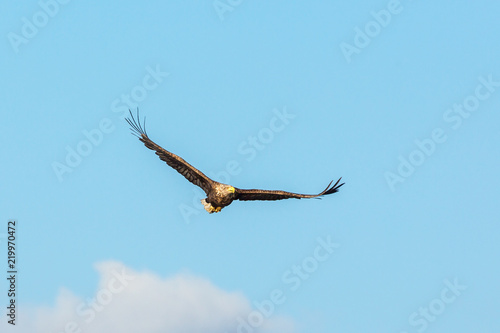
{"x":218,"y":195}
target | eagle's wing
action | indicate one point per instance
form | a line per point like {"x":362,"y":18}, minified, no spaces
{"x":192,"y":174}
{"x":280,"y":195}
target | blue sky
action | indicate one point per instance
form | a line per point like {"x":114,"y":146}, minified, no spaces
{"x":400,"y":98}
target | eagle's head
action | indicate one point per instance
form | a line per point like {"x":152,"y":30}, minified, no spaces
{"x":229,"y":190}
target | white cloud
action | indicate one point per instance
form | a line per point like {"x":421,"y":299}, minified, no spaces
{"x":129,"y":301}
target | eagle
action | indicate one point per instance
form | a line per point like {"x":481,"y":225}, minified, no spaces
{"x":219,"y":195}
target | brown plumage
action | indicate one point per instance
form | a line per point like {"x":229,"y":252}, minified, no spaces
{"x":218,"y":195}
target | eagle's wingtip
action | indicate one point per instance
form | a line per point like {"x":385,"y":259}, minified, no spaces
{"x":137,"y":128}
{"x":334,"y":188}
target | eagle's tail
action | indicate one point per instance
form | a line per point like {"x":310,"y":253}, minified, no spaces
{"x":209,"y":208}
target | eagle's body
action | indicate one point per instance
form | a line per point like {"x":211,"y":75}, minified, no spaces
{"x":218,"y":195}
